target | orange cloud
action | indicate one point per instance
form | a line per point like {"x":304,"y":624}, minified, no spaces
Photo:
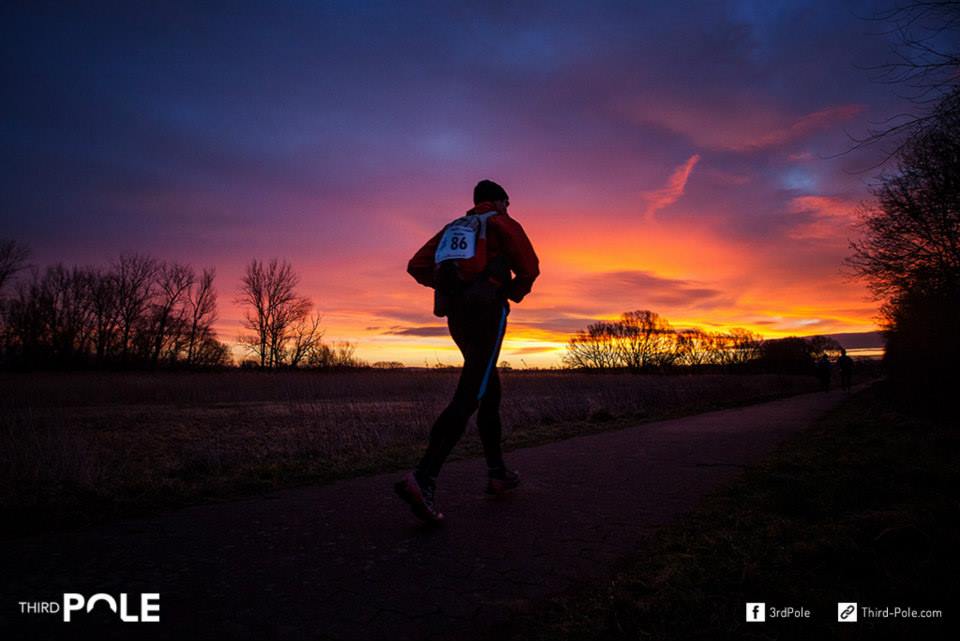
{"x":823,"y":218}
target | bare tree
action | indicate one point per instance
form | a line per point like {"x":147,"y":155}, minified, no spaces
{"x":167,"y":310}
{"x":289,"y":322}
{"x":25,"y":329}
{"x":926,"y":61}
{"x":641,"y":340}
{"x":134,"y":288}
{"x":340,"y":354}
{"x":202,"y":313}
{"x":13,"y":258}
{"x":695,"y":347}
{"x":70,"y":311}
{"x":273,"y":309}
{"x":740,"y":346}
{"x":345,"y":355}
{"x":49,"y":320}
{"x":306,"y":339}
{"x":910,"y":241}
{"x":103,"y":304}
{"x":253,"y":292}
{"x":209,"y":352}
{"x":597,"y":347}
{"x":646,"y":339}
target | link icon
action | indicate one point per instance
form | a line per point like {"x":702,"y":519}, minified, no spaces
{"x":846,"y":612}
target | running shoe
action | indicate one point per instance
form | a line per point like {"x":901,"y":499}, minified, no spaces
{"x":420,"y":496}
{"x":501,"y":480}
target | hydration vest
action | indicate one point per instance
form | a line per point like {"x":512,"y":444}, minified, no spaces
{"x":461,"y":255}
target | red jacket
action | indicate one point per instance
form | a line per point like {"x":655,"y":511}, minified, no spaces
{"x":505,"y":237}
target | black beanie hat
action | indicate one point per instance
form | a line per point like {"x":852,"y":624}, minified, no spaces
{"x":488,"y":191}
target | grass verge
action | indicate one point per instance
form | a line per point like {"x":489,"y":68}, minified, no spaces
{"x":863,"y":507}
{"x":81,"y":469}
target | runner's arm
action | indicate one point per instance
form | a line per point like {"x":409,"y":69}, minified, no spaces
{"x":421,"y":266}
{"x":523,"y":260}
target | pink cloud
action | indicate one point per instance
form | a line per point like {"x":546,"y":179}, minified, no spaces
{"x":825,"y":217}
{"x":809,"y":123}
{"x":740,"y":123}
{"x":670,"y":193}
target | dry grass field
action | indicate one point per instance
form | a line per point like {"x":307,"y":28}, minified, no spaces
{"x":78,"y":447}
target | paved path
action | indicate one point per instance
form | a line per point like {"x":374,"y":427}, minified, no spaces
{"x":348,"y":560}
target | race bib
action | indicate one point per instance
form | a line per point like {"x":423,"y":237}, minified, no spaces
{"x":458,"y":242}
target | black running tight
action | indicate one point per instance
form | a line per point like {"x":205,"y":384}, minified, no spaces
{"x":478,"y":332}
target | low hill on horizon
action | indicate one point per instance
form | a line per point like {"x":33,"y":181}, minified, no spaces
{"x":859,"y":340}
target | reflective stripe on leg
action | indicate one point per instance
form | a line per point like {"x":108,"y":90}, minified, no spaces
{"x":493,"y":356}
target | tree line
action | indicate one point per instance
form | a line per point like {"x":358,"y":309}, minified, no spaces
{"x":644,"y":341}
{"x":909,"y":254}
{"x":139,"y":311}
{"x":136,"y":310}
{"x":909,"y":249}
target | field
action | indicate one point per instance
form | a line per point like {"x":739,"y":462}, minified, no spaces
{"x":81,"y":447}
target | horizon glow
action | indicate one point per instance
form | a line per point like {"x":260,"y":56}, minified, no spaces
{"x":688,"y":159}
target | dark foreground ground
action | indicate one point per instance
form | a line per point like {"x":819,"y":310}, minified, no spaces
{"x":863,"y":507}
{"x":347,"y":560}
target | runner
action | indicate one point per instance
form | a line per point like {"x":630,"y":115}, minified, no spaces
{"x":475,"y":265}
{"x":845,"y":363}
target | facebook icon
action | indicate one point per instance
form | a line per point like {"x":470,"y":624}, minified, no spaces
{"x":756,"y":612}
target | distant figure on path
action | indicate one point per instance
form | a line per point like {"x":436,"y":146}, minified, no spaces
{"x":468,"y":264}
{"x":845,"y":363}
{"x":823,"y":372}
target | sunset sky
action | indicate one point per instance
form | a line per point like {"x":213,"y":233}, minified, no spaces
{"x":683,"y":157}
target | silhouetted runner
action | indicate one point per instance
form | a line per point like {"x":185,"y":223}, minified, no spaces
{"x":475,"y":264}
{"x":845,"y":363}
{"x":824,"y":372}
